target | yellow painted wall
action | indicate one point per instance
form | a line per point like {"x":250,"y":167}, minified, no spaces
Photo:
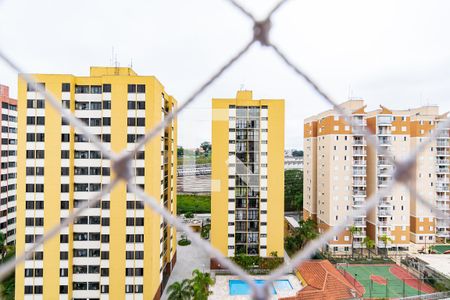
{"x":219,"y":177}
{"x":154,"y":90}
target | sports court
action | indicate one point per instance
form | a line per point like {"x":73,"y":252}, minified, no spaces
{"x":440,"y":249}
{"x":384,"y":281}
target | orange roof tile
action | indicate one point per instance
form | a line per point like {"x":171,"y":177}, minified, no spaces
{"x":324,"y":282}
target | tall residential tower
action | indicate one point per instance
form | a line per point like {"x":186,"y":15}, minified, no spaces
{"x":118,"y":249}
{"x":8,"y":145}
{"x":247,"y":176}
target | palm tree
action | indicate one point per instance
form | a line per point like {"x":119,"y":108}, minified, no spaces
{"x":180,"y":290}
{"x":353,"y":230}
{"x":200,"y":284}
{"x":369,"y":243}
{"x":385,"y":239}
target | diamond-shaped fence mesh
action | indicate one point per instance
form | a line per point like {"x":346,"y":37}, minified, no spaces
{"x":121,"y":163}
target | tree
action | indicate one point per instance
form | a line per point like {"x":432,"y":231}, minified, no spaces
{"x":385,"y":239}
{"x":297,"y":153}
{"x":369,"y":243}
{"x":180,"y":290}
{"x":7,"y":286}
{"x":352,"y":231}
{"x":293,"y":190}
{"x":200,"y":285}
{"x":180,"y":151}
{"x":306,"y":232}
{"x":206,"y":146}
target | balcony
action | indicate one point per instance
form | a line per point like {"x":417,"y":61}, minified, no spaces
{"x":359,"y":162}
{"x":383,"y":162}
{"x":359,"y":223}
{"x":384,"y":141}
{"x":441,"y":143}
{"x":359,"y":192}
{"x":442,"y":188}
{"x":382,"y":182}
{"x":359,"y":121}
{"x":384,"y":131}
{"x":384,"y":171}
{"x":442,"y":153}
{"x":384,"y":120}
{"x":384,"y":212}
{"x":442,"y":161}
{"x":359,"y":183}
{"x":383,"y":224}
{"x":359,"y":141}
{"x":360,"y":233}
{"x":359,"y":172}
{"x":442,"y":170}
{"x":442,"y":198}
{"x":359,"y":153}
{"x":443,"y":135}
{"x":442,"y":206}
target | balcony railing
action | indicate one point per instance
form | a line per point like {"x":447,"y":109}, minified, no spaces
{"x":443,"y":206}
{"x":359,"y":172}
{"x":441,"y":143}
{"x":359,"y":153}
{"x":384,"y":212}
{"x":359,"y":182}
{"x":359,"y":162}
{"x":442,"y":153}
{"x":442,"y":170}
{"x":359,"y":142}
{"x":359,"y":193}
{"x":359,"y":223}
{"x":384,"y":131}
{"x":385,"y":141}
{"x":442,"y":188}
{"x":383,"y":223}
{"x":442,"y":161}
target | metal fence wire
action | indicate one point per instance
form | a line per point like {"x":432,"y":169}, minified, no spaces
{"x":121,"y":162}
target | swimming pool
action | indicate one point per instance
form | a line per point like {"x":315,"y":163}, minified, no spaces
{"x":240,"y":287}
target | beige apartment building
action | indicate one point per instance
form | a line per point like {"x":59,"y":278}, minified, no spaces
{"x":341,"y":172}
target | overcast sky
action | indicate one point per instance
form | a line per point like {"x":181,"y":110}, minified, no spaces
{"x":395,"y":53}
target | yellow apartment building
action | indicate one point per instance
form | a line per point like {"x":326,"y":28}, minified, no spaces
{"x":247,"y":198}
{"x":118,"y":249}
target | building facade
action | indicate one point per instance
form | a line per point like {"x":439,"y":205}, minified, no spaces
{"x":247,"y":198}
{"x":114,"y":247}
{"x":341,"y":172}
{"x":8,"y":158}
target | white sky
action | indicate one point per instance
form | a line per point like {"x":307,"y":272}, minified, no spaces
{"x":394,"y":53}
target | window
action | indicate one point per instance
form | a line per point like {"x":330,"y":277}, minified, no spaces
{"x":65,"y":87}
{"x":107,"y":88}
{"x":131,"y":88}
{"x":81,"y":89}
{"x":141,"y":88}
{"x":96,"y":89}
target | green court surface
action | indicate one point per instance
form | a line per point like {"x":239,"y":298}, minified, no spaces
{"x":440,"y":248}
{"x":379,"y":282}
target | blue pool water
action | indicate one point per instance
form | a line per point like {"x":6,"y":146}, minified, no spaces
{"x":240,"y":287}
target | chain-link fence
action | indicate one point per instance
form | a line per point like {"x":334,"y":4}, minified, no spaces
{"x":121,"y":162}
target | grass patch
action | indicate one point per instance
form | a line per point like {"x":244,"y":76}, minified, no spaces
{"x":198,"y":204}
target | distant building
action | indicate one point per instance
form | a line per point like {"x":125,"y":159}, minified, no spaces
{"x":341,"y":171}
{"x":247,"y":205}
{"x":8,"y":157}
{"x":293,"y":163}
{"x":117,"y":249}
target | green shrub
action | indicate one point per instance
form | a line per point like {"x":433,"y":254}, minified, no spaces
{"x":184,"y":242}
{"x":189,"y":215}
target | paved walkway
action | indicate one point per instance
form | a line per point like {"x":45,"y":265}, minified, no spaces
{"x":189,"y":258}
